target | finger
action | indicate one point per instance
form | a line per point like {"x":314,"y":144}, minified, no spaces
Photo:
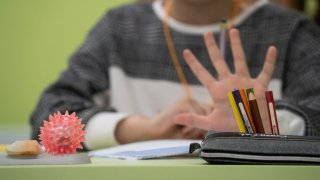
{"x":201,"y":73}
{"x":215,"y":56}
{"x":202,"y":134}
{"x":193,"y":120}
{"x":192,"y":133}
{"x":239,"y":57}
{"x":187,"y":129}
{"x":268,"y":67}
{"x":189,"y":132}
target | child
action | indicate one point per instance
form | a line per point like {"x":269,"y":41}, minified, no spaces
{"x":123,"y":84}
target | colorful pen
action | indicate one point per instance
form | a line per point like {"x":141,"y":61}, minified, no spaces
{"x":246,"y":105}
{"x":254,"y":108}
{"x":236,"y":113}
{"x":272,"y":113}
{"x":242,"y":110}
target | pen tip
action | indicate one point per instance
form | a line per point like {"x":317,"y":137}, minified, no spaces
{"x":251,"y":96}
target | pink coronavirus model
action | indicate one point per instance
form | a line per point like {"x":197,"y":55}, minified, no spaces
{"x":62,"y":134}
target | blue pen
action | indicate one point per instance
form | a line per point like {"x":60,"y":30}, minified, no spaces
{"x":242,"y":110}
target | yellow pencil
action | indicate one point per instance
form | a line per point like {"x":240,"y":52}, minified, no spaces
{"x":236,"y":113}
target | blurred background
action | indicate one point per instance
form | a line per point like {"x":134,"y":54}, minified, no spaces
{"x":36,"y":39}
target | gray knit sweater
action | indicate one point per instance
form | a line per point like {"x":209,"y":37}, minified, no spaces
{"x":124,"y":65}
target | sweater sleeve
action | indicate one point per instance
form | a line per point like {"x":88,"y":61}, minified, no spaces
{"x":301,"y":93}
{"x":76,"y":88}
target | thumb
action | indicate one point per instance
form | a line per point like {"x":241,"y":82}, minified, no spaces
{"x":194,"y":120}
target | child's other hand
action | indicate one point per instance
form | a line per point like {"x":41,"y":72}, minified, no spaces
{"x":161,"y":126}
{"x":164,"y":125}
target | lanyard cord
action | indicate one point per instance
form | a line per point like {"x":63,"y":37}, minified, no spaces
{"x":172,"y":51}
{"x":170,"y":44}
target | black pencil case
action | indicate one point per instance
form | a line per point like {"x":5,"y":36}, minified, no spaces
{"x":243,"y":148}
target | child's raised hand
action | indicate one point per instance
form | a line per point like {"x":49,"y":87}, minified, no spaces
{"x":222,"y":118}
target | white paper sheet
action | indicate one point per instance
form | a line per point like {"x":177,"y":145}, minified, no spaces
{"x":146,"y":149}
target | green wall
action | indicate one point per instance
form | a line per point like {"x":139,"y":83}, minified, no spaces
{"x":36,"y":39}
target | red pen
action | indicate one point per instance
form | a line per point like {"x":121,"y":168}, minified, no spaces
{"x":272,"y":113}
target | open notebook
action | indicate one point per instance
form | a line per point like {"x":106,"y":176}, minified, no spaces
{"x":146,"y":149}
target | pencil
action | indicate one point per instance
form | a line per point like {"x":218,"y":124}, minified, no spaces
{"x":239,"y":103}
{"x":223,"y":37}
{"x":255,"y":111}
{"x":247,"y":107}
{"x":272,"y":113}
{"x":236,"y":113}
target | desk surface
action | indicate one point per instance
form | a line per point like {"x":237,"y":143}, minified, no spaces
{"x":172,"y":168}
